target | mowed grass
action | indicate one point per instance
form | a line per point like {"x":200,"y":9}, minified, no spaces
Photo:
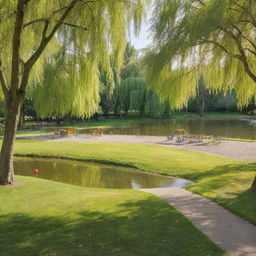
{"x":223,"y":180}
{"x":43,"y":218}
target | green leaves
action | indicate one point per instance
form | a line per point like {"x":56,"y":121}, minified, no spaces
{"x":213,"y":38}
{"x":65,"y":79}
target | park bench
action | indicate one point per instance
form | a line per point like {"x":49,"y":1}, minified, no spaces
{"x":65,"y":132}
{"x":97,"y":131}
{"x":70,"y":131}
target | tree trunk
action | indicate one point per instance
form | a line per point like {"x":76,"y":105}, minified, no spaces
{"x":6,"y":157}
{"x":58,"y":121}
{"x":21,"y":121}
{"x":202,"y":106}
{"x":253,"y":187}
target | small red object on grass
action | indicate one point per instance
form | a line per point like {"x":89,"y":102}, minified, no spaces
{"x":35,"y":171}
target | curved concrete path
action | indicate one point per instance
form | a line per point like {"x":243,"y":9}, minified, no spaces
{"x":231,"y":233}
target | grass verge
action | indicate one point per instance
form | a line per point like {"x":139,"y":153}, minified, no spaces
{"x":69,"y":220}
{"x":134,"y":121}
{"x":223,"y":180}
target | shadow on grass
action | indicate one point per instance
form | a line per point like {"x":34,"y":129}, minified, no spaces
{"x":223,"y":169}
{"x":229,"y":186}
{"x":137,"y":228}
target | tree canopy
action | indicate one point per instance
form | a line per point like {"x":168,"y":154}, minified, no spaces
{"x":215,"y":38}
{"x":61,"y":45}
{"x":58,"y":46}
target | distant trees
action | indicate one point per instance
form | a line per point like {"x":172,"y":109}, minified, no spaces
{"x":206,"y":101}
{"x":130,"y":93}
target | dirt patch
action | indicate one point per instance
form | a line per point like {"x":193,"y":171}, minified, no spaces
{"x":16,"y":184}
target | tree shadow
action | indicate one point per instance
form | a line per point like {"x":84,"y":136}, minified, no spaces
{"x":137,"y":228}
{"x":223,"y":169}
{"x":229,"y":185}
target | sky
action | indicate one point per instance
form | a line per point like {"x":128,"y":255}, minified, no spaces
{"x":143,"y":40}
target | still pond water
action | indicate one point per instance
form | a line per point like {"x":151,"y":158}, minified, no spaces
{"x":93,"y":174}
{"x":231,"y":128}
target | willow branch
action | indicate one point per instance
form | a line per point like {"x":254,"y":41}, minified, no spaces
{"x":75,"y":26}
{"x":217,"y":44}
{"x":34,"y":21}
{"x":44,"y":42}
{"x":245,"y":61}
{"x":250,"y":50}
{"x":45,"y":19}
{"x":245,"y":37}
{"x":246,"y":11}
{"x":16,"y":42}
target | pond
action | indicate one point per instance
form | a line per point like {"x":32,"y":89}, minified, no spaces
{"x":93,"y":174}
{"x":231,"y":128}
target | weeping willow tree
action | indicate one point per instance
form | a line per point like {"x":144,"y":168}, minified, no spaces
{"x":215,"y":38}
{"x":154,"y":107}
{"x":131,"y":65}
{"x":58,"y":45}
{"x":134,"y":95}
{"x":201,"y":95}
{"x":131,"y":93}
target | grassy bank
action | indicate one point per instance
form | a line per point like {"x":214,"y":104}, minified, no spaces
{"x":222,"y":180}
{"x":69,"y":220}
{"x":133,"y":121}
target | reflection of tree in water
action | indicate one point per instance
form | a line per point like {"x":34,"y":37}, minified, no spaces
{"x":90,"y":174}
{"x":232,"y":128}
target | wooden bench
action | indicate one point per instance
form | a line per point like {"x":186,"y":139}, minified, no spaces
{"x":97,"y":131}
{"x":70,"y":131}
{"x":63,"y":132}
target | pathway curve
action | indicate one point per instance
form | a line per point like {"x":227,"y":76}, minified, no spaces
{"x":231,"y":233}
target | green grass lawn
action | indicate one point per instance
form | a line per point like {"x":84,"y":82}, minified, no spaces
{"x":223,"y":180}
{"x":48,"y":218}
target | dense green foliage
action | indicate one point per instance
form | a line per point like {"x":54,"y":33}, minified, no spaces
{"x":133,"y":94}
{"x":213,"y":38}
{"x":206,"y":101}
{"x":65,"y":77}
{"x":223,"y":180}
{"x":130,"y":93}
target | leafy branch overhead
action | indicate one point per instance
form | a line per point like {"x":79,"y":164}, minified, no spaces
{"x":215,"y":38}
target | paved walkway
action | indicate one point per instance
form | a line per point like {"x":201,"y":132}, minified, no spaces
{"x":231,"y":233}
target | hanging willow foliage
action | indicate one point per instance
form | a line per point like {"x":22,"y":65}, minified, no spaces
{"x":134,"y":95}
{"x":65,"y":78}
{"x":215,"y":38}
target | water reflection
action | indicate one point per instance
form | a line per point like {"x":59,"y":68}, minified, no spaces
{"x":232,"y":128}
{"x":93,"y":174}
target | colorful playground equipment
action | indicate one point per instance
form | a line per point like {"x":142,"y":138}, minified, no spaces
{"x":180,"y":135}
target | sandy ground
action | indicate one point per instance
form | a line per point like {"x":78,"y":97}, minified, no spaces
{"x":245,"y":151}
